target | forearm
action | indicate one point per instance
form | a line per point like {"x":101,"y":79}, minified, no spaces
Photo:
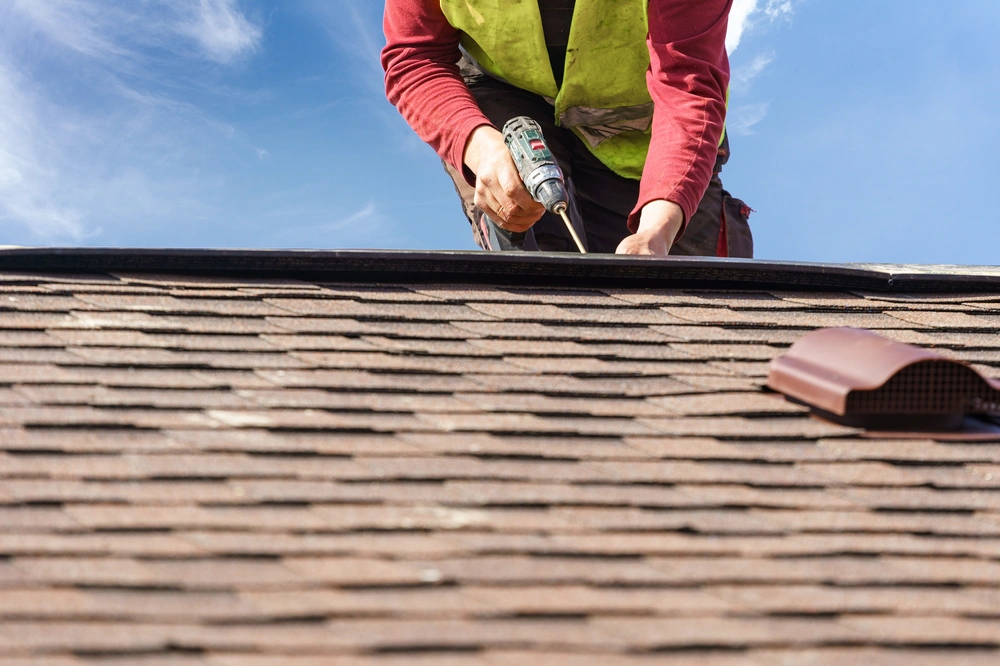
{"x":422,"y":78}
{"x":688,"y":79}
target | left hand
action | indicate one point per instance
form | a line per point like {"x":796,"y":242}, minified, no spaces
{"x":659,"y":223}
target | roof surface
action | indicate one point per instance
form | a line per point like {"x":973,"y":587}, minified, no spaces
{"x":222,"y":471}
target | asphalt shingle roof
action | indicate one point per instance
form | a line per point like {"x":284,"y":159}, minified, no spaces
{"x":222,"y":471}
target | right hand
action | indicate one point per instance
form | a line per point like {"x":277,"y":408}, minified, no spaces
{"x":500,"y":193}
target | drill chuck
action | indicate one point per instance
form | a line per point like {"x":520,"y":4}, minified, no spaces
{"x":537,"y":167}
{"x":539,"y":170}
{"x":550,"y":192}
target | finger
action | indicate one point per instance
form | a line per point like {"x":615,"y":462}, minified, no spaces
{"x":506,"y":216}
{"x":487,"y":203}
{"x":513,"y":192}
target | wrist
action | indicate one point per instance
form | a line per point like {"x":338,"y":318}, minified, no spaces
{"x":661,"y":218}
{"x":481,"y":142}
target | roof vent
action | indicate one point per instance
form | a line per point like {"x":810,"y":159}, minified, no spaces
{"x":860,"y":379}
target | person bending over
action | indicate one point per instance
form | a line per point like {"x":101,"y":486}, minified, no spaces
{"x":631,"y":96}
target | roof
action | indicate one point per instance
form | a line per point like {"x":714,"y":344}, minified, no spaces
{"x":255,"y":467}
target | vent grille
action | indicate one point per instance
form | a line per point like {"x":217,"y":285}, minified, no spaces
{"x":928,"y":387}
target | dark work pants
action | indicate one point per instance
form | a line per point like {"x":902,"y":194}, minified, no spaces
{"x":601,"y":199}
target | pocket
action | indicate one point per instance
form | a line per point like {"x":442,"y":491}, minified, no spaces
{"x":738,"y":234}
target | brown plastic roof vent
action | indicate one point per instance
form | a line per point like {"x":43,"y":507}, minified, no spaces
{"x":861,"y":379}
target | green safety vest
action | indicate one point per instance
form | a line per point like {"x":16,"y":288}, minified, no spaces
{"x":604,"y":98}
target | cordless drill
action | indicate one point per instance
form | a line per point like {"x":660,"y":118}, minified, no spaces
{"x":538,"y":169}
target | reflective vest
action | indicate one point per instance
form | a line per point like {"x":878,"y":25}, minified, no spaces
{"x":603,"y":98}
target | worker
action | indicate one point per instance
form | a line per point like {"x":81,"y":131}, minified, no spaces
{"x":631,"y":96}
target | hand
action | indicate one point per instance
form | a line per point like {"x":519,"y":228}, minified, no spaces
{"x":499,"y":190}
{"x":659,"y":223}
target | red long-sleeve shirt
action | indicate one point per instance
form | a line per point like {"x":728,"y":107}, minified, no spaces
{"x":687,"y":79}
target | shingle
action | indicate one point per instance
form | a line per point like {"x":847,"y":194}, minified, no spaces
{"x":394,"y":311}
{"x":542,"y":404}
{"x":551,"y":313}
{"x":726,"y":404}
{"x":179,"y":466}
{"x":523,"y":446}
{"x":354,"y":572}
{"x":363,"y":380}
{"x":494,"y":493}
{"x":88,"y":637}
{"x":154,"y":378}
{"x":35,"y":355}
{"x":732,"y":427}
{"x":9,"y":396}
{"x":562,"y":331}
{"x":34,"y":519}
{"x":23,"y":302}
{"x":17,"y":339}
{"x":661,"y":633}
{"x":401,"y":329}
{"x":35,"y":321}
{"x":82,"y":440}
{"x":312,"y":419}
{"x":701,"y":521}
{"x":705,"y":448}
{"x":928,"y":630}
{"x":588,"y":366}
{"x":744,"y":352}
{"x":317,"y":343}
{"x":379,"y":293}
{"x":949,"y":320}
{"x":37,"y":604}
{"x":221,"y":324}
{"x":159,"y":492}
{"x":662,"y":297}
{"x":455,"y":467}
{"x":121,"y":397}
{"x":488,"y":294}
{"x":290,"y":443}
{"x":436,"y":348}
{"x":948,"y":524}
{"x":388,"y":544}
{"x":630,"y":387}
{"x":824,"y":600}
{"x":404,"y":363}
{"x":171,"y":304}
{"x":715,"y":379}
{"x":909,"y":450}
{"x":708,"y":472}
{"x":529,"y":423}
{"x":441,"y":518}
{"x":378,"y":402}
{"x":793,"y":319}
{"x":426,"y":601}
{"x":718,"y":334}
{"x":139,"y":339}
{"x":137,"y":544}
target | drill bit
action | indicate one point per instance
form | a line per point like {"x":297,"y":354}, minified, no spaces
{"x":560,"y":209}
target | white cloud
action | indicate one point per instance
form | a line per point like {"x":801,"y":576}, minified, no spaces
{"x":746,"y":16}
{"x":742,"y":119}
{"x":779,"y":8}
{"x":28,"y":181}
{"x":222,"y":31}
{"x":743,"y":13}
{"x":744,"y":75}
{"x":215,"y":30}
{"x":125,"y":147}
{"x":738,"y":17}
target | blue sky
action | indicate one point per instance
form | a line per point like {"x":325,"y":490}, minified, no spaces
{"x":862,"y":131}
